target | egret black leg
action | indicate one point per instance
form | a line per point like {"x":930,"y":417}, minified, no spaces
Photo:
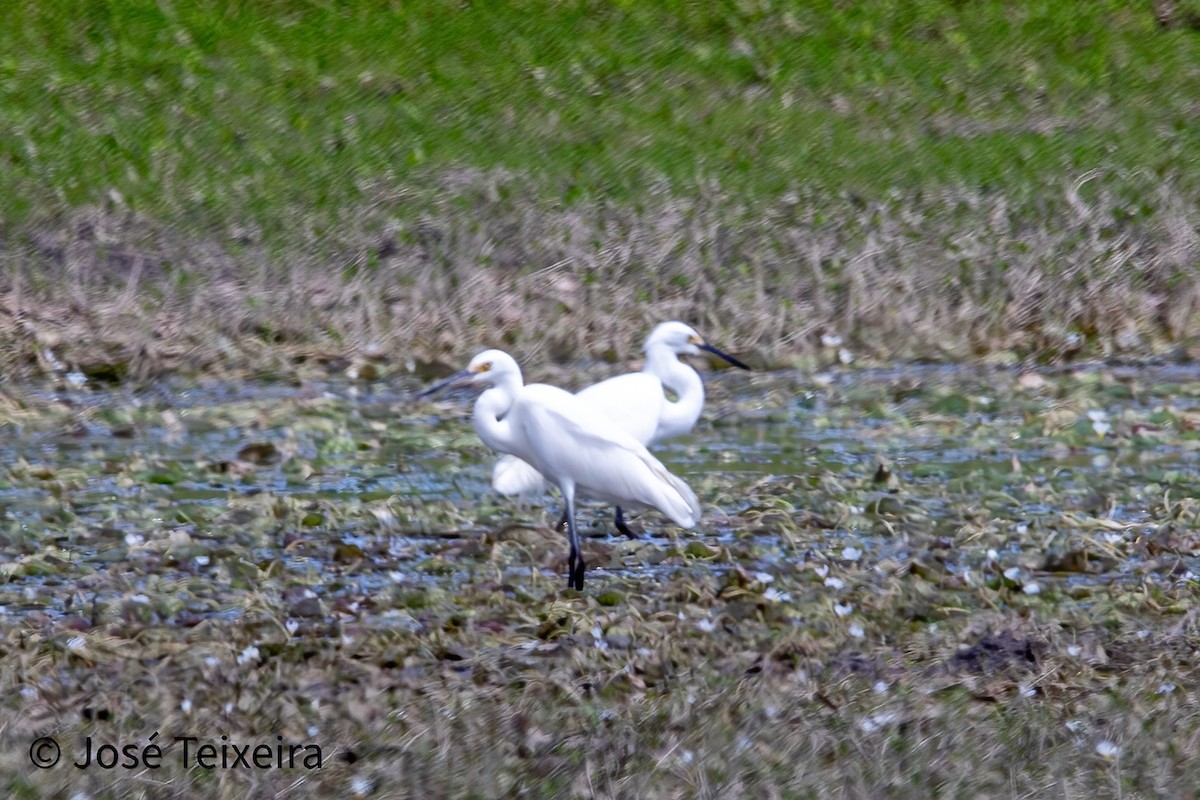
{"x":619,"y":522}
{"x":575,"y":560}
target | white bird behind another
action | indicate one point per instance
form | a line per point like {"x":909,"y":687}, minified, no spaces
{"x":571,"y":444}
{"x":636,"y":402}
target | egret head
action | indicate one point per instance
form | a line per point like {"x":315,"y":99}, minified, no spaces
{"x":683,"y":340}
{"x":489,"y":368}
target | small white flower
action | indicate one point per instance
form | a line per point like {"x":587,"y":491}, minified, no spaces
{"x":1101,"y":428}
{"x":1032,"y":588}
{"x":992,"y":555}
{"x":857,"y":631}
{"x":1074,"y":650}
{"x":880,"y":687}
{"x":822,"y":570}
{"x":706,"y":625}
{"x":1026,"y":690}
{"x":1107,"y":749}
{"x":248,"y":655}
{"x":211,"y":661}
{"x":831,"y":340}
{"x":764,"y":577}
{"x":843,"y":610}
{"x":1012,"y":573}
{"x":140,"y":599}
{"x":134,"y":539}
{"x":76,"y":643}
{"x":775,"y":596}
{"x":876,"y":721}
{"x":1022,"y":529}
{"x":851,"y":553}
{"x":1075,"y":725}
{"x":1143,"y":634}
{"x":1097,"y":415}
{"x":384,"y":515}
{"x":687,"y":756}
{"x":1165,"y":688}
{"x":291,"y":626}
{"x":834,"y":583}
{"x":313,"y":731}
{"x":185,"y":705}
{"x":361,"y":786}
{"x":202,"y":561}
{"x":52,"y":360}
{"x":76,"y":380}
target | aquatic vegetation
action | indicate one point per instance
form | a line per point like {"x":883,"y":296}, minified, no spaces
{"x":916,"y":582}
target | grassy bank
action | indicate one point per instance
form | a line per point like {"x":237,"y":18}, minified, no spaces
{"x":249,"y":185}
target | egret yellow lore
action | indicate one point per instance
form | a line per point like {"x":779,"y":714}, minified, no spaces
{"x":572,"y":445}
{"x":636,"y":402}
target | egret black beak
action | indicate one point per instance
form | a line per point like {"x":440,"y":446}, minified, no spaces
{"x":460,"y":378}
{"x":709,"y":348}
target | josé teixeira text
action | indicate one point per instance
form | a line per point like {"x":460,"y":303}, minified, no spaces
{"x":188,"y":750}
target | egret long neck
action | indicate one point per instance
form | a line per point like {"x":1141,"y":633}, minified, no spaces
{"x":679,"y":416}
{"x":490,"y":418}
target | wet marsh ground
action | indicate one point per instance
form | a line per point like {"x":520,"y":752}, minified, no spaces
{"x":911,"y":582}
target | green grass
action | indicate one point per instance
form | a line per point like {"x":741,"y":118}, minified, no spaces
{"x":207,"y":114}
{"x":929,"y":179}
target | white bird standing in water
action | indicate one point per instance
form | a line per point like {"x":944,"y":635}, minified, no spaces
{"x":636,"y":402}
{"x":569,"y":443}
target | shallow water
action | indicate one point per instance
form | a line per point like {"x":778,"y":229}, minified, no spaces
{"x":368,"y":488}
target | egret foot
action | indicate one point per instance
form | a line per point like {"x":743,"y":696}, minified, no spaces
{"x":619,"y":523}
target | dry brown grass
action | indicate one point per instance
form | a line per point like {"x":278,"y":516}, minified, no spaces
{"x":954,"y":276}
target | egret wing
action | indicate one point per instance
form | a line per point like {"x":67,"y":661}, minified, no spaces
{"x":512,"y":476}
{"x":567,"y":439}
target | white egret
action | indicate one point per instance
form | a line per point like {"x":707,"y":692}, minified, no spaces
{"x":568,"y":442}
{"x":637,"y":402}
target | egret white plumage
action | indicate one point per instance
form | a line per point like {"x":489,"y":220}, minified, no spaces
{"x":637,"y":402}
{"x":571,"y":444}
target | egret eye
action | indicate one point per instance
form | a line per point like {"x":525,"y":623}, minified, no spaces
{"x":695,"y":340}
{"x":485,"y":366}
